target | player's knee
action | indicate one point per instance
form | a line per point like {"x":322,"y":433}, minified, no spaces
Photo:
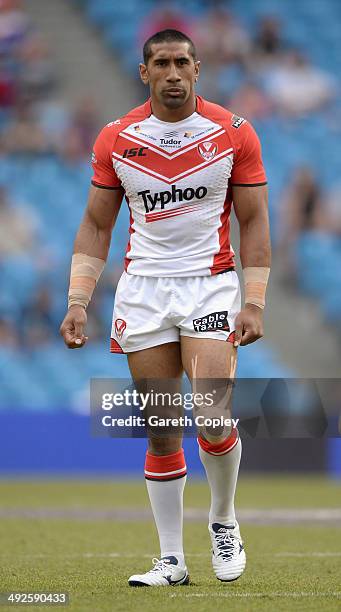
{"x":214,"y":434}
{"x":164,"y":446}
{"x":213,"y":447}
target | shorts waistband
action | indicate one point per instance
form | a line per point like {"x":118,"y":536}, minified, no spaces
{"x":226,"y":270}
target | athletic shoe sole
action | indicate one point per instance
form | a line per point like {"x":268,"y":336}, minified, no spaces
{"x":183,"y":582}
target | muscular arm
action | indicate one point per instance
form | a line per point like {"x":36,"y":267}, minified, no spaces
{"x":251,"y":208}
{"x":94,"y":233}
{"x":93,"y":239}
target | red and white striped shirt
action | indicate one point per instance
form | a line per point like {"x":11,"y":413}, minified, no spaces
{"x":177,"y":179}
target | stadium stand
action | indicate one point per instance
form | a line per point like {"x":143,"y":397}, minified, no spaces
{"x":49,"y":183}
{"x":272,"y":31}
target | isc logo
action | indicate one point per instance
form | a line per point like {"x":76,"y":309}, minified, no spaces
{"x":135,"y":151}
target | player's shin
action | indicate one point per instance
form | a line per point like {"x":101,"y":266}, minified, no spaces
{"x":165,"y":479}
{"x":221,"y":462}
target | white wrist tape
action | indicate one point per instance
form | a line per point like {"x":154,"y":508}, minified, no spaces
{"x":85,"y":272}
{"x":256,"y":280}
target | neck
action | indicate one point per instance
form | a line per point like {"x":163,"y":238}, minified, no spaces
{"x":171,"y":115}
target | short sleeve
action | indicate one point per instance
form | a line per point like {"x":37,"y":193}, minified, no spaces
{"x":248,"y":166}
{"x":101,"y":161}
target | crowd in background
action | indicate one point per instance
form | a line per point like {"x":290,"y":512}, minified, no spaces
{"x":35,"y":122}
{"x":255,"y":74}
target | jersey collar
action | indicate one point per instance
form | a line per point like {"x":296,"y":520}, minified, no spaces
{"x":198,"y":107}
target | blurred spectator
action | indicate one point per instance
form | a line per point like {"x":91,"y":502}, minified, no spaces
{"x":24,"y":134}
{"x":85,"y":122}
{"x":301,"y":210}
{"x":222,"y":46}
{"x":70,"y":132}
{"x":71,"y":149}
{"x":333,"y":210}
{"x":14,"y":25}
{"x":163,"y":17}
{"x":250,"y":102}
{"x":268,"y":44}
{"x":7,"y":87}
{"x":27,"y":76}
{"x":296,"y":87}
{"x":18,"y":227}
{"x":37,"y":322}
{"x":54,"y":119}
{"x":220,"y":38}
{"x":36,"y":73}
{"x":8,"y":333}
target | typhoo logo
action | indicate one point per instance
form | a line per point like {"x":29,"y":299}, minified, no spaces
{"x":150,"y":200}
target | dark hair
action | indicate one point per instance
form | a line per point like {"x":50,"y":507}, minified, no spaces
{"x":167,"y":36}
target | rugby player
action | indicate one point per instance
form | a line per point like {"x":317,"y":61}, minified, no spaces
{"x":180,"y":161}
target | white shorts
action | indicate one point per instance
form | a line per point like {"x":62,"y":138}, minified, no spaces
{"x":151,"y":310}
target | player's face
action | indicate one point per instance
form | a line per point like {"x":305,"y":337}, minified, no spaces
{"x":171,"y":73}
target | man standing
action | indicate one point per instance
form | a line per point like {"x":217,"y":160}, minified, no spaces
{"x":180,"y":161}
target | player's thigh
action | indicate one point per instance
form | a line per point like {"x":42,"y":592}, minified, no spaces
{"x":162,"y":361}
{"x":208,"y":358}
{"x":159,"y":370}
{"x":210,"y":365}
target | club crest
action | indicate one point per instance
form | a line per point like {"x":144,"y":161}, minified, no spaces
{"x":208,"y":149}
{"x":120,"y":326}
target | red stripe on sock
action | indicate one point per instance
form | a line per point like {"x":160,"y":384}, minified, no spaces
{"x":223,"y":447}
{"x":165,"y":467}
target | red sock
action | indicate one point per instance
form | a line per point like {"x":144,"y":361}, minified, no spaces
{"x":223,"y":447}
{"x":165,"y":467}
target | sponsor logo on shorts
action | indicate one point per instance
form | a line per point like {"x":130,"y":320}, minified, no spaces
{"x":120,"y":326}
{"x":208,"y":149}
{"x":237,"y":121}
{"x":216,"y":321}
{"x":150,"y":200}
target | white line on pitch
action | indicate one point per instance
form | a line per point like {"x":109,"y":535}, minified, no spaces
{"x":90,"y":555}
{"x":309,"y":554}
{"x":336,"y":594}
{"x":117,"y":555}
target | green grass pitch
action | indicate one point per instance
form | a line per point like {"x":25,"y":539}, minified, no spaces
{"x":61,"y":544}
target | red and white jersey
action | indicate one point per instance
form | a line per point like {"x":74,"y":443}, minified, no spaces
{"x":177,"y":180}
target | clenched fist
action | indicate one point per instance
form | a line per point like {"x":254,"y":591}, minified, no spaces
{"x":249,"y":325}
{"x":73,"y":327}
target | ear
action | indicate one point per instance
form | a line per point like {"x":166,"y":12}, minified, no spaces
{"x":196,"y":70}
{"x":144,"y":74}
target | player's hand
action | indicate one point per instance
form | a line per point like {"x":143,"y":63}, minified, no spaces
{"x":73,"y":327}
{"x":249,"y":325}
